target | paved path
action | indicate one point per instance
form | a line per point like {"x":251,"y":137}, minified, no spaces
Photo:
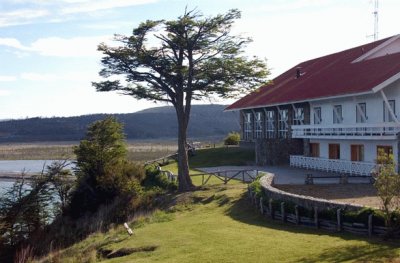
{"x":287,"y":174}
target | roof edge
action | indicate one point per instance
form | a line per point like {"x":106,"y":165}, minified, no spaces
{"x":387,"y":82}
{"x":308,"y":100}
{"x":376,"y":49}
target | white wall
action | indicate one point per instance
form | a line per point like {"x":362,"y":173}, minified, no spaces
{"x":374,"y":106}
{"x":370,"y":148}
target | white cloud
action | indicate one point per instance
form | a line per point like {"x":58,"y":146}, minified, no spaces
{"x":38,"y":77}
{"x":60,"y":47}
{"x":86,"y":77}
{"x":22,"y":16}
{"x":7,"y":78}
{"x":71,"y":47}
{"x":91,"y":6}
{"x":4,"y":93}
{"x":12,"y":42}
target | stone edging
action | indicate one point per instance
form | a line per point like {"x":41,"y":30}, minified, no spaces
{"x":267,"y":182}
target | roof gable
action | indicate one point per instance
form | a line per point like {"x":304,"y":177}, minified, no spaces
{"x":327,"y":76}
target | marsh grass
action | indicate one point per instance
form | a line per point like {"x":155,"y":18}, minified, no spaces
{"x":137,"y":151}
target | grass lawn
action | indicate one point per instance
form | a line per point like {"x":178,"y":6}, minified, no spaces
{"x":217,"y":224}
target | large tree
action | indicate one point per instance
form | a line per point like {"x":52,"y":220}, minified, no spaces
{"x":178,"y":61}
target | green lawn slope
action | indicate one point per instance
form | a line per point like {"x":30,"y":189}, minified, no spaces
{"x":216,"y":223}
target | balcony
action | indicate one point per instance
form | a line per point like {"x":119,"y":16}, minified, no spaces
{"x":332,"y":165}
{"x":369,"y":131}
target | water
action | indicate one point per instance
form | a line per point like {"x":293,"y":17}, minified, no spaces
{"x":18,"y":166}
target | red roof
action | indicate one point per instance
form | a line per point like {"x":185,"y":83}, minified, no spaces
{"x":327,"y":76}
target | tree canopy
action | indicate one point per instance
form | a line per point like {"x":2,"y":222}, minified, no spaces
{"x":177,"y":61}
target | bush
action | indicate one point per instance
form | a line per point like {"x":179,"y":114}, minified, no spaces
{"x":233,"y":138}
{"x":155,"y":179}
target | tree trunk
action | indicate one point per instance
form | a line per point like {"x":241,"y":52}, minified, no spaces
{"x":184,"y":180}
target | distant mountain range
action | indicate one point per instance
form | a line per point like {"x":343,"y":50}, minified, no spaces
{"x":153,"y":123}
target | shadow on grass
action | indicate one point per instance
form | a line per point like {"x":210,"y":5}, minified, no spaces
{"x":376,"y":250}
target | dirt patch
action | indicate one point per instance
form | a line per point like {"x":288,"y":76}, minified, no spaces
{"x":362,"y":194}
{"x":108,"y":253}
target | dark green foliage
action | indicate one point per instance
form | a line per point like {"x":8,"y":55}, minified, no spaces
{"x":155,"y":179}
{"x":102,"y":168}
{"x":387,"y":184}
{"x":196,"y":57}
{"x":233,"y":138}
{"x":256,"y":187}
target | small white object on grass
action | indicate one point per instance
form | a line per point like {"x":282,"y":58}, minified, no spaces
{"x":128,"y":229}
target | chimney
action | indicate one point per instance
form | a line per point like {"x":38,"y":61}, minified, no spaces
{"x":298,"y":72}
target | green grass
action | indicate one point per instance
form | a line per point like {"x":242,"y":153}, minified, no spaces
{"x":212,"y":157}
{"x":222,"y":156}
{"x":217,"y":224}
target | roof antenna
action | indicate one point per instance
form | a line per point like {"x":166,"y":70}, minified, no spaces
{"x":375,"y":13}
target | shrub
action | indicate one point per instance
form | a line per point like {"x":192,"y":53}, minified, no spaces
{"x":233,"y":138}
{"x":155,"y":179}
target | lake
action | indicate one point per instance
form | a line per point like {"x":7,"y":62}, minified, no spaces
{"x":17,"y":166}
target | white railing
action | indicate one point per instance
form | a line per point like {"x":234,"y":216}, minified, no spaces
{"x":332,"y":165}
{"x":386,"y":131}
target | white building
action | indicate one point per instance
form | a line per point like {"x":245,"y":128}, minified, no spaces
{"x":330,"y":113}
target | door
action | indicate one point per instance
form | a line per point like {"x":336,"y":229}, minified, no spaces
{"x":334,"y":151}
{"x":357,"y":153}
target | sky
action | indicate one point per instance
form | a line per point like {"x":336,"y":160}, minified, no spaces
{"x":49,"y":57}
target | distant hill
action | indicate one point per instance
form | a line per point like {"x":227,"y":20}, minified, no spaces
{"x":153,"y":123}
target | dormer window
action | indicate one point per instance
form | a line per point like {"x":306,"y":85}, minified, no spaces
{"x":337,"y":114}
{"x":361,"y":113}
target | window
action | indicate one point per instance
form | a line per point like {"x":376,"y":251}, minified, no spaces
{"x":314,"y":149}
{"x":270,"y":123}
{"x":317,"y":115}
{"x":247,"y":126}
{"x":298,"y":118}
{"x":282,"y":123}
{"x":258,"y":125}
{"x":383,"y":149}
{"x":387,"y":117}
{"x":334,"y":151}
{"x":361,"y":113}
{"x":357,"y":153}
{"x":337,"y":114}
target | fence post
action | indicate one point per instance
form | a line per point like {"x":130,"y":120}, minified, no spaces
{"x":243,"y":176}
{"x":261,"y":206}
{"x":225,"y":180}
{"x":271,"y":209}
{"x":370,"y":226}
{"x":283,"y":211}
{"x":202,"y":179}
{"x":296,"y":211}
{"x":316,"y":217}
{"x":339,"y":219}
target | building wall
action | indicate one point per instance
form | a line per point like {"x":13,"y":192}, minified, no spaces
{"x":374,"y":106}
{"x":370,"y":148}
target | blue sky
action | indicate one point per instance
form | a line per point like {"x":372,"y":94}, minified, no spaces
{"x":48,"y":56}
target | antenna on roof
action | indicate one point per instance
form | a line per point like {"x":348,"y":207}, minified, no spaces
{"x":375,"y":13}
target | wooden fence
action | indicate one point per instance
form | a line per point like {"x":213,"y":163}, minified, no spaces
{"x":360,"y":228}
{"x":246,"y":176}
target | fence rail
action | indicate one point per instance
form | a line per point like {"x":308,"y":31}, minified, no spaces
{"x":225,"y":176}
{"x":359,"y":228}
{"x":332,"y":165}
{"x":358,"y":130}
